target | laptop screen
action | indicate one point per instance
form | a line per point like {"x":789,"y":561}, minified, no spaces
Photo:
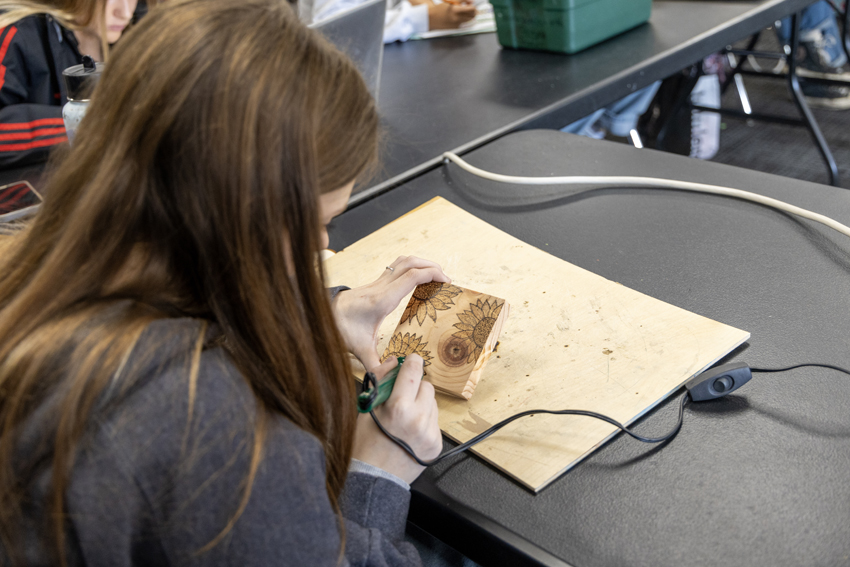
{"x":359,"y":33}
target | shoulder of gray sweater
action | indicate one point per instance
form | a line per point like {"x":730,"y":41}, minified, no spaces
{"x":162,"y":422}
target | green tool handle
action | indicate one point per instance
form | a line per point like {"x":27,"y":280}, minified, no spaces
{"x":370,"y":399}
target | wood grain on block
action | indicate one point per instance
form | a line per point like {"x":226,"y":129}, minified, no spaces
{"x":454,"y":330}
{"x":575,"y":340}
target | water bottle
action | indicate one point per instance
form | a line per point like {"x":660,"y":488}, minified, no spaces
{"x":705,"y":126}
{"x":79,"y":82}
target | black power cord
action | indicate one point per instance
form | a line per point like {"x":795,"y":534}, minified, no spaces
{"x":485,"y":434}
{"x":830,"y":366}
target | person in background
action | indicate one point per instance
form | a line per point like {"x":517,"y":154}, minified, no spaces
{"x":824,"y":55}
{"x":175,"y":387}
{"x":408,"y":17}
{"x":618,"y":119}
{"x":39,"y":40}
{"x":404,"y":18}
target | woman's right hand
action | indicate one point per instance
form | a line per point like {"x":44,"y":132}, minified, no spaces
{"x":410,"y":413}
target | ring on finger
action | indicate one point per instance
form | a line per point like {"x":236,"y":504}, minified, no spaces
{"x":391,"y":269}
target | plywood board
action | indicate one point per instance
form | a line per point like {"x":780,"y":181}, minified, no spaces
{"x":454,"y":330}
{"x":574,"y":340}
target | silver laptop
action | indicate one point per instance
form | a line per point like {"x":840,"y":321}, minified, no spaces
{"x":359,"y":33}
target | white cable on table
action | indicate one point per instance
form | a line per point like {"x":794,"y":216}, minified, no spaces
{"x":628,"y":181}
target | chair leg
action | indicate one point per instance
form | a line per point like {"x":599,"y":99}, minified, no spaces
{"x":803,"y":107}
{"x":739,"y":84}
{"x":634,"y":136}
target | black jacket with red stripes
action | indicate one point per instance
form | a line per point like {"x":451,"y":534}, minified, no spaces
{"x":33,"y":53}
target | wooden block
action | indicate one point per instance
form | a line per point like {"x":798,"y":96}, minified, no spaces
{"x":575,"y":340}
{"x":454,"y":330}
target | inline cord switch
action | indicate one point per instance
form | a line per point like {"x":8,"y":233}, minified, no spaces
{"x":717,"y":382}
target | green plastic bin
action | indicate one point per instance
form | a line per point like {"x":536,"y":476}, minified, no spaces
{"x":565,"y":26}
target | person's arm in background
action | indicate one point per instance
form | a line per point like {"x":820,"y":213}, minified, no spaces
{"x":30,"y":117}
{"x":403,"y":19}
{"x":448,"y":15}
{"x":418,"y":16}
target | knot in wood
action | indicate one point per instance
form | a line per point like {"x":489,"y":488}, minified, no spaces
{"x":454,"y":352}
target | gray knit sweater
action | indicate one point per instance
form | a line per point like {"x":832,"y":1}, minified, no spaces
{"x":153,"y":484}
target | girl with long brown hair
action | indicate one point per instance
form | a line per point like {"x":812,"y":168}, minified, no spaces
{"x":174,"y":383}
{"x":38,"y":40}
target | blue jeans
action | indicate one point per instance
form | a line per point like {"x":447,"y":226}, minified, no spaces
{"x":617,"y":118}
{"x":817,"y":19}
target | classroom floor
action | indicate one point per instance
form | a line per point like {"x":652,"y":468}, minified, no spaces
{"x":779,"y":149}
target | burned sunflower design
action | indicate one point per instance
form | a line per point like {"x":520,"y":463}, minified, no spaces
{"x":407,"y":344}
{"x":429,"y":298}
{"x":476,"y":324}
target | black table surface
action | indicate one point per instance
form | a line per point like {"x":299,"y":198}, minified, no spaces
{"x":761,"y":477}
{"x":460,"y":92}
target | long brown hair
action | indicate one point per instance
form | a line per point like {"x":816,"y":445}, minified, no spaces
{"x":71,"y":14}
{"x":191,"y":189}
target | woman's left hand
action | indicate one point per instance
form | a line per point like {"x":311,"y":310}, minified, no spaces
{"x":359,"y":312}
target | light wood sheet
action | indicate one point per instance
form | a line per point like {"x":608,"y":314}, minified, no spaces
{"x":574,"y":340}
